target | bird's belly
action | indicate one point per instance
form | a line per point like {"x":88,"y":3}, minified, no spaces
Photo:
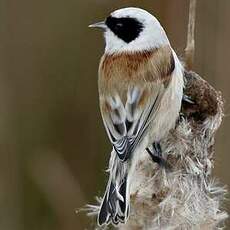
{"x":167,"y":114}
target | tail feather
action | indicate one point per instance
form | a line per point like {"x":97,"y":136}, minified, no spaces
{"x":103,"y":214}
{"x":122,"y":192}
{"x":115,"y":205}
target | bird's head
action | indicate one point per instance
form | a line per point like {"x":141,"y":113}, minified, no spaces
{"x":130,"y":30}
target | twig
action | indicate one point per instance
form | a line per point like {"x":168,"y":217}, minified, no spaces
{"x":190,"y":47}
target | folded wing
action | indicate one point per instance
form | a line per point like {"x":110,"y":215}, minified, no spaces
{"x":126,"y":123}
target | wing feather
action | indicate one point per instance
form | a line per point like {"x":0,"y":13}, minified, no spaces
{"x":126,"y":124}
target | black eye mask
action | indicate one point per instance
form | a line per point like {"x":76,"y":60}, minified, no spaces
{"x":127,"y":29}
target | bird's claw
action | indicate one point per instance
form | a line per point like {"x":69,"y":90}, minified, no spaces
{"x":156,"y":155}
{"x":188,"y":99}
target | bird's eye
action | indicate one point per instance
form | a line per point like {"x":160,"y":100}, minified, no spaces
{"x":119,"y":24}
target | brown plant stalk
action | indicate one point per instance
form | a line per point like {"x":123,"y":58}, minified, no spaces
{"x":190,"y":47}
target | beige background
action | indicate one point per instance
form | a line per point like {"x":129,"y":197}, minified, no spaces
{"x":53,"y":147}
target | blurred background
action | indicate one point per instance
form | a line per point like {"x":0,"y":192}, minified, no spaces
{"x":53,"y":147}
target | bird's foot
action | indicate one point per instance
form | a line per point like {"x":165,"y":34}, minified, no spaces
{"x":156,"y":155}
{"x":187,"y":99}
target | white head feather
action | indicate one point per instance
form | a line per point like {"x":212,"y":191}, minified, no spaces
{"x":152,"y":35}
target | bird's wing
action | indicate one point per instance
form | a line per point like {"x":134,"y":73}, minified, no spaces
{"x":126,"y":124}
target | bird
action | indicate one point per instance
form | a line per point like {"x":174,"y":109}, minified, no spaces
{"x":140,"y":84}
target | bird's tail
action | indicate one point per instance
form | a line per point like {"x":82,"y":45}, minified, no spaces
{"x":115,"y":204}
